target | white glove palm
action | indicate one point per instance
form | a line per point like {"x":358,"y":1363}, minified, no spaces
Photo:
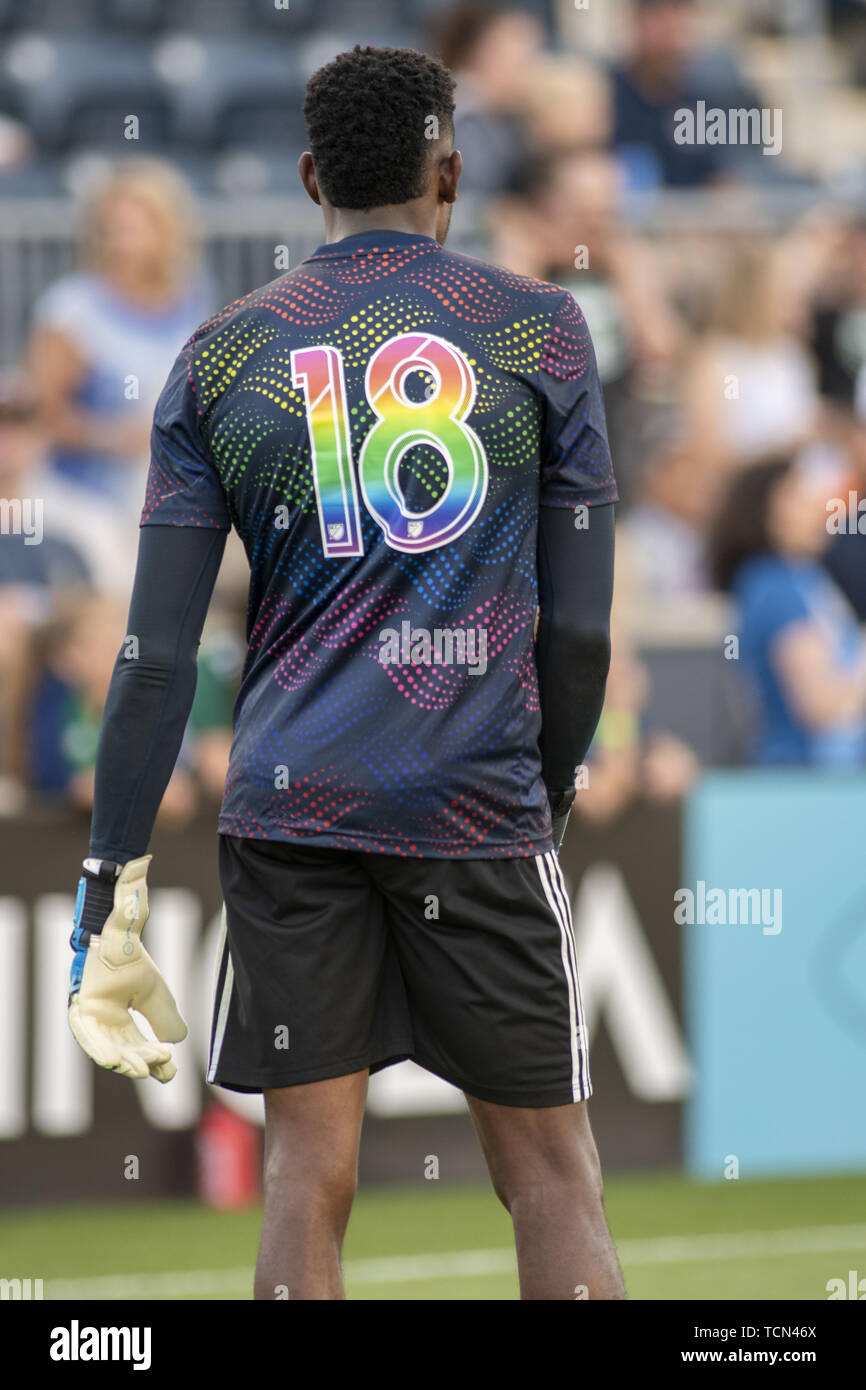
{"x":118,"y":976}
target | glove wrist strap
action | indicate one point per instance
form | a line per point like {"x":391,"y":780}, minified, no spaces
{"x":95,"y":898}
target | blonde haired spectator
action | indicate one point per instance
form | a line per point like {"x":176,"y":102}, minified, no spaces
{"x":568,"y":104}
{"x":752,"y":386}
{"x":105,"y":336}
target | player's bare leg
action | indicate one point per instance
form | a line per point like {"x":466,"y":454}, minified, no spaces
{"x":545,"y":1170}
{"x":312,"y":1135}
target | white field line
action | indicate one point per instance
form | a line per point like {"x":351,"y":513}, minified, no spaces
{"x":456,"y":1264}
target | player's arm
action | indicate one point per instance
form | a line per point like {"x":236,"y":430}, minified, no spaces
{"x":152,"y":686}
{"x":575,"y":586}
{"x":148,"y":704}
{"x":181,"y":543}
{"x":575,"y":556}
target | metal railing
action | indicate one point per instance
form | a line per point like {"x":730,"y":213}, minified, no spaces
{"x":241,"y":236}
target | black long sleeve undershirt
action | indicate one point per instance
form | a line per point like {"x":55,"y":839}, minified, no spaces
{"x":153,"y":685}
{"x":572,"y":650}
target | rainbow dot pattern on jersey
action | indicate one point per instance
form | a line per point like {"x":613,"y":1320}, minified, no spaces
{"x":389,"y":701}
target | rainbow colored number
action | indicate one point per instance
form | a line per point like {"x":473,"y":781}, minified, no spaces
{"x":439,"y":420}
{"x":318,"y":371}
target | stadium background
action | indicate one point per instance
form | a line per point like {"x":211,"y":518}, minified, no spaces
{"x":725,"y":289}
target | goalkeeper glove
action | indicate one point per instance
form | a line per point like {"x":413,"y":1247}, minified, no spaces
{"x":112,"y":973}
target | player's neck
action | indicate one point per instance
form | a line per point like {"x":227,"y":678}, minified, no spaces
{"x":416,"y":219}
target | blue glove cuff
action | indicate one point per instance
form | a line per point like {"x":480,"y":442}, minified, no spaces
{"x":93,"y":905}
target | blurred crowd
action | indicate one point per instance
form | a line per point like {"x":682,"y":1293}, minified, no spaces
{"x":75,"y":422}
{"x":734,"y":371}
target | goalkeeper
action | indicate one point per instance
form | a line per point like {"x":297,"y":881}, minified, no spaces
{"x":412,"y":447}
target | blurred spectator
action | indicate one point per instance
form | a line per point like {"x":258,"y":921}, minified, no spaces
{"x":81,"y":541}
{"x":661,"y":542}
{"x":36,"y":554}
{"x":16,"y":145}
{"x":105,"y":337}
{"x":831,"y":266}
{"x":491,"y":49}
{"x":846,"y":557}
{"x":572,"y":230}
{"x":208,"y":737}
{"x":648,"y":89}
{"x":36,"y":559}
{"x":800,"y":642}
{"x":751,"y":389}
{"x":838,"y":329}
{"x":661,"y":75}
{"x":77,"y":650}
{"x":627,"y":759}
{"x":568,"y":105}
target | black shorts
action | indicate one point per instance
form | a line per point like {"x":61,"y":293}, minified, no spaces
{"x":335,"y":961}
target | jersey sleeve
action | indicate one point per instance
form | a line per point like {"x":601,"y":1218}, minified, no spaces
{"x":183,"y":486}
{"x":576,"y":465}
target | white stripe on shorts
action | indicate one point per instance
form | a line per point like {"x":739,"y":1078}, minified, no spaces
{"x":551,"y":882}
{"x":225,"y":999}
{"x":583,"y":1036}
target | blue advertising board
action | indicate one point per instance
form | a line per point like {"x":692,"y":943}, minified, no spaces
{"x":773,"y":906}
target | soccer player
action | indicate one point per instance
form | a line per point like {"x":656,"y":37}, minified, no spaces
{"x":411,"y":445}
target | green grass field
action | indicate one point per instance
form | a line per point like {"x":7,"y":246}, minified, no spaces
{"x":677,"y":1239}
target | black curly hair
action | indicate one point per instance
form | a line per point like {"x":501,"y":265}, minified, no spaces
{"x":368,"y":122}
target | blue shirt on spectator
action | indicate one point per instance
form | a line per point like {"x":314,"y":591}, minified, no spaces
{"x":773,"y":594}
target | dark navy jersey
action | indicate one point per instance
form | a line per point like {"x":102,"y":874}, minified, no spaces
{"x":380,"y":425}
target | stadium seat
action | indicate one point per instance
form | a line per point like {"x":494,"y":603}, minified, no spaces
{"x":40,"y":179}
{"x":78,"y":165}
{"x":425,"y":12}
{"x":366,"y":16}
{"x":252,"y":171}
{"x":136,"y":16}
{"x":73,"y":91}
{"x":321,"y":47}
{"x":300,"y":15}
{"x":50,"y":15}
{"x":230,"y":90}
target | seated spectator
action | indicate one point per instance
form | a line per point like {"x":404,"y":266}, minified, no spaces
{"x":661,"y":542}
{"x":838,"y":326}
{"x":81,"y":542}
{"x":105,"y":337}
{"x":490,"y":48}
{"x":628,"y":760}
{"x":751,"y":388}
{"x":76,"y":652}
{"x":800,"y":643}
{"x":568,"y":105}
{"x":654,"y":82}
{"x":208,"y":739}
{"x":845,"y":558}
{"x":37,"y":559}
{"x":571,"y":230}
